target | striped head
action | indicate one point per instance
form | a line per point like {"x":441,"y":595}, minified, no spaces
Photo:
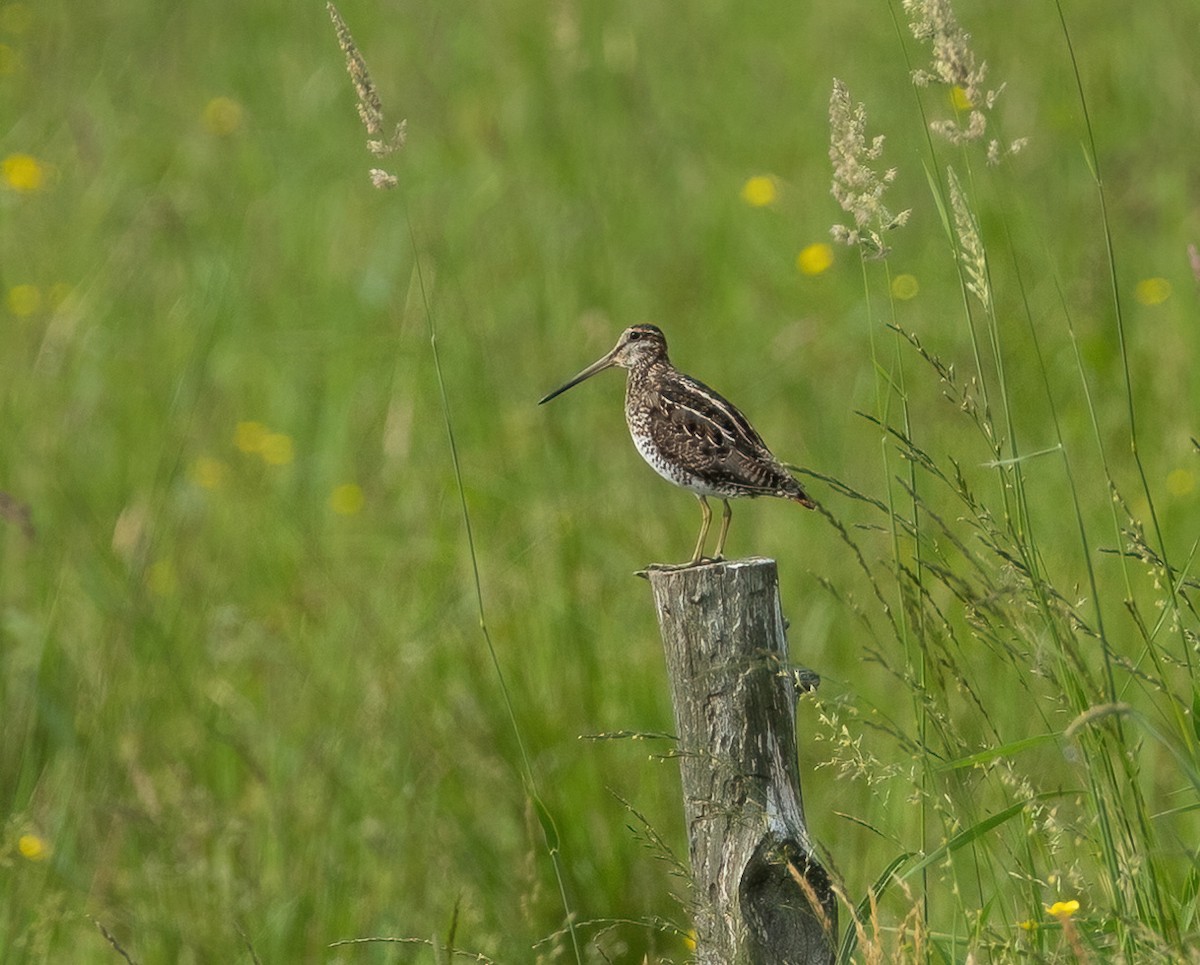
{"x":638,"y":346}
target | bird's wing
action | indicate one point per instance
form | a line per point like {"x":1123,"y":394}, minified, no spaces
{"x":707,"y":433}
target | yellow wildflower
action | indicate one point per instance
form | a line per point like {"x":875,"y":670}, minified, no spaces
{"x":277,"y":449}
{"x":33,"y":847}
{"x":249,"y":436}
{"x":905,"y":287}
{"x":1063,"y":909}
{"x":207,"y":472}
{"x":959,"y":99}
{"x":1152,"y":291}
{"x":23,"y":173}
{"x":347,"y":499}
{"x":760,"y":191}
{"x":815,"y":258}
{"x":24,"y":300}
{"x":222,"y":116}
{"x":1181,"y":482}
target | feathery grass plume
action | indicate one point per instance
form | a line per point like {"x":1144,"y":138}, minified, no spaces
{"x":953,"y":64}
{"x":970,"y":246}
{"x":370,"y":107}
{"x":857,"y":187}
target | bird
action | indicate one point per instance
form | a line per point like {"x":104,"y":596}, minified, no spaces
{"x":690,"y":434}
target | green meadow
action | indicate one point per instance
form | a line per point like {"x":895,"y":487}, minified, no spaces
{"x":309,"y":612}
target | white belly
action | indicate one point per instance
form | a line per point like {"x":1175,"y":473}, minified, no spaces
{"x":665,"y":468}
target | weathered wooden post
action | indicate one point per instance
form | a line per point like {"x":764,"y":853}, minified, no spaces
{"x":761,"y":896}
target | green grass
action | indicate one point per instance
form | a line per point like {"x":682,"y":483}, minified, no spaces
{"x":243,"y":725}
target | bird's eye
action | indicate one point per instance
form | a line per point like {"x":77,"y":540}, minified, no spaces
{"x":634,"y":336}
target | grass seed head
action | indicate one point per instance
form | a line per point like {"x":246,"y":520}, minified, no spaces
{"x":857,"y":185}
{"x":370,"y":106}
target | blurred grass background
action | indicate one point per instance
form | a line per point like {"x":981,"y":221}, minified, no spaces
{"x":247,"y":707}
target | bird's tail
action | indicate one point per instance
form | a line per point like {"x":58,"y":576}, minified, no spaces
{"x":794,"y":491}
{"x":803,"y":499}
{"x":797,"y":493}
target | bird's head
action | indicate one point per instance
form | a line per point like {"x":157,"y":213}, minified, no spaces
{"x":638,"y":345}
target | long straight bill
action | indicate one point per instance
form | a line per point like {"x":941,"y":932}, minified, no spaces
{"x":598,"y":366}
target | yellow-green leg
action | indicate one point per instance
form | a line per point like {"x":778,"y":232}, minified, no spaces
{"x":706,"y":513}
{"x":726,"y":516}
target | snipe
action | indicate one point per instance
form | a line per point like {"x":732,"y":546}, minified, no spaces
{"x":689,"y":433}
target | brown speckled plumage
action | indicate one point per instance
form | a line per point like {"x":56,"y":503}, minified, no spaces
{"x":689,"y":433}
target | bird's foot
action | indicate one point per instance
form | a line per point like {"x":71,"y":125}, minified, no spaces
{"x":672,"y":567}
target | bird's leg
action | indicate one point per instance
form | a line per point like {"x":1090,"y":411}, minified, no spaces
{"x":726,"y":516}
{"x":697,"y":558}
{"x":706,"y":514}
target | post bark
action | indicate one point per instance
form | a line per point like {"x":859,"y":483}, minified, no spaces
{"x":760,"y":894}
